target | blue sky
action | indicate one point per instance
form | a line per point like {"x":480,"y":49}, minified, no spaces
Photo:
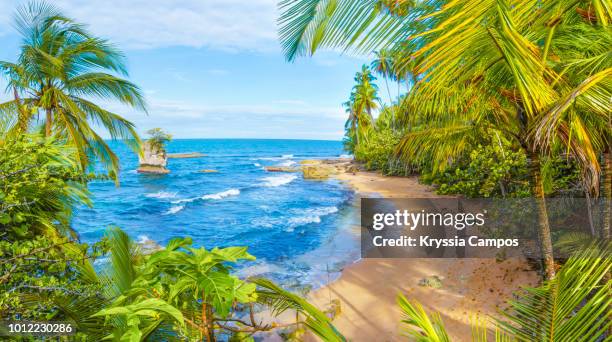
{"x":213,"y":68}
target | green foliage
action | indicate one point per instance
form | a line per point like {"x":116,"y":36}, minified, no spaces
{"x":377,"y":152}
{"x":40,"y":183}
{"x":158,"y":139}
{"x":60,"y":71}
{"x":186,"y":292}
{"x":420,"y":326}
{"x":493,"y":170}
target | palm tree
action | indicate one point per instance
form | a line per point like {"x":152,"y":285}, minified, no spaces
{"x":383,"y":65}
{"x":536,"y":72}
{"x":158,"y":139}
{"x":60,"y":68}
{"x":365,"y":93}
{"x":362,"y":102}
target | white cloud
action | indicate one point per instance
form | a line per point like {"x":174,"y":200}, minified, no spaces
{"x":143,"y":24}
{"x":294,"y":119}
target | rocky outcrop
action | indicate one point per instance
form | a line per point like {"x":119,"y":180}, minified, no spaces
{"x":312,"y":161}
{"x":152,"y":160}
{"x":317,"y":171}
{"x":148,"y":246}
{"x":323,"y":168}
{"x":208,"y":171}
{"x":186,"y":155}
{"x":281,"y":169}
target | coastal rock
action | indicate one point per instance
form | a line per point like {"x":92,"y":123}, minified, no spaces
{"x":317,"y":171}
{"x":148,"y":246}
{"x":433,"y":282}
{"x":186,"y":155}
{"x":351,"y":169}
{"x":208,"y":171}
{"x":281,"y":169}
{"x":311,"y":162}
{"x":152,"y":160}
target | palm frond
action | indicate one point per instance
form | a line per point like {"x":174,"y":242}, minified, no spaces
{"x":573,"y":306}
{"x":420,"y":326}
{"x":280,"y":300}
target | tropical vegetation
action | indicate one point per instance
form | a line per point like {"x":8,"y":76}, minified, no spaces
{"x":112,"y":289}
{"x":158,"y":139}
{"x":534,"y":76}
{"x":61,"y":69}
{"x":503,"y":99}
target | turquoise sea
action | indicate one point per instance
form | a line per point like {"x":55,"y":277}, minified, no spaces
{"x":299,"y":230}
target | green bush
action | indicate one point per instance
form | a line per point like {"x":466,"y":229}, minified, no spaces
{"x":377,"y":152}
{"x":494,"y":170}
{"x":40,"y":184}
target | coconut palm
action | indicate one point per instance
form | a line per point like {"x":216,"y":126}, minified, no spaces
{"x":536,"y":72}
{"x":383,"y":65}
{"x":60,"y":70}
{"x":365,"y":93}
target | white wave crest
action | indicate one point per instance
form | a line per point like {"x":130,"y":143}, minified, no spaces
{"x":275,"y":181}
{"x":162,"y":195}
{"x":312,"y":215}
{"x":283,"y":157}
{"x":287,"y":163}
{"x":222,"y":194}
{"x":346,"y":156}
{"x":175,"y":209}
{"x":143,"y":239}
{"x":217,"y":196}
{"x":256,"y":164}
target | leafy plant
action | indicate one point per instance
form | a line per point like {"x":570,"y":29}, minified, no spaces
{"x":40,"y":184}
{"x":186,"y":292}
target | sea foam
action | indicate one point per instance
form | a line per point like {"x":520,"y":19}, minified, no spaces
{"x":283,"y":157}
{"x":174,"y":209}
{"x":222,"y":194}
{"x":162,"y":195}
{"x":311,"y":215}
{"x":217,"y":196}
{"x":275,"y":181}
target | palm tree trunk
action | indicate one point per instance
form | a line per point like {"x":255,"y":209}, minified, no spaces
{"x":388,"y":90}
{"x":48,"y":120}
{"x":543,"y":224}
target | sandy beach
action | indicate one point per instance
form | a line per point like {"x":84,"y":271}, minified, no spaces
{"x":367,"y":289}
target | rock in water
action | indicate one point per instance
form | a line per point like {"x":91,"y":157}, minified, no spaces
{"x":317,"y":171}
{"x":186,"y":155}
{"x":152,"y":160}
{"x":281,"y":169}
{"x":208,"y":171}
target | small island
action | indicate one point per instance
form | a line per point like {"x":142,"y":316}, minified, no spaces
{"x":154,"y":158}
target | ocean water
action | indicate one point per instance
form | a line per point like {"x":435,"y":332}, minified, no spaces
{"x":299,"y":230}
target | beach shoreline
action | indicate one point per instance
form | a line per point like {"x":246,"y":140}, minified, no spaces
{"x":367,"y":288}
